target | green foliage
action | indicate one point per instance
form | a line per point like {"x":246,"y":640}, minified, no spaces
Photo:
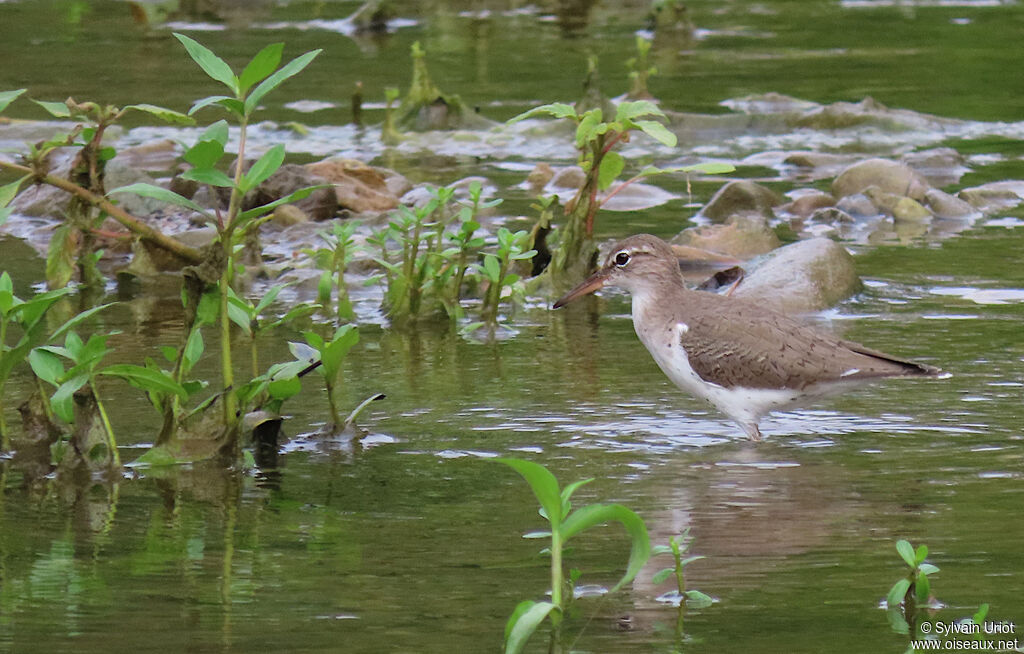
{"x":29,"y":317}
{"x":564,"y":522}
{"x":495,"y":271}
{"x":332,"y":355}
{"x":677,"y":547}
{"x":912,"y":590}
{"x":334,"y":260}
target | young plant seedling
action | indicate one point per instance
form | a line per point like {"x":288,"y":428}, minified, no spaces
{"x":677,"y":547}
{"x":332,"y":355}
{"x":85,"y":358}
{"x":512,"y":247}
{"x":334,"y":260}
{"x":564,"y":523}
{"x":29,"y":318}
{"x":596,"y":140}
{"x":913,"y":590}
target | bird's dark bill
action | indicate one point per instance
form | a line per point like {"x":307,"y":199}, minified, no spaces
{"x":589,"y":285}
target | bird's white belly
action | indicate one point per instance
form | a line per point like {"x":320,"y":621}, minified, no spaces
{"x":742,"y":404}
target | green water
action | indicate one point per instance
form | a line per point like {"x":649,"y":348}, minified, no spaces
{"x":411,"y":542}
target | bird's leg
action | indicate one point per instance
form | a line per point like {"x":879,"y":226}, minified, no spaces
{"x":751,"y":430}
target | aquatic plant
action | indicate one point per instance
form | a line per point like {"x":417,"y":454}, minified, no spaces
{"x":512,"y":247}
{"x":74,"y":245}
{"x":564,"y":522}
{"x":680,"y":597}
{"x":596,"y":140}
{"x":85,"y":359}
{"x":677,"y":547}
{"x":259,"y":77}
{"x":28,"y":318}
{"x":334,"y":260}
{"x":332,"y":354}
{"x":913,"y":590}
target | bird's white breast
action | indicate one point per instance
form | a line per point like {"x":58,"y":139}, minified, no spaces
{"x":664,"y":341}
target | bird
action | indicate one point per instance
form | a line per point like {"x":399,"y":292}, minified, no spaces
{"x":742,"y":357}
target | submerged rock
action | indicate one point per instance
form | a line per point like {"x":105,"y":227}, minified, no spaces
{"x":801,"y":277}
{"x":888,"y":176}
{"x":359,"y":187}
{"x":807,"y":203}
{"x":994,"y":195}
{"x":742,"y":236}
{"x":741,"y":197}
{"x":945,"y":206}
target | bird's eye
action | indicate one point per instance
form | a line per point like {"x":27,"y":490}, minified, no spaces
{"x":621,"y":259}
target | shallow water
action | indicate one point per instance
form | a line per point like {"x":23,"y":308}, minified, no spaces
{"x":410,"y":541}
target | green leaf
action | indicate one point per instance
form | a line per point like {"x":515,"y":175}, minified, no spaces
{"x":263,"y":210}
{"x":690,"y":559}
{"x":492,"y":267}
{"x":662,"y":575}
{"x":595,"y":514}
{"x":293,"y":67}
{"x":922,"y":588}
{"x":921,"y":554}
{"x":536,"y":535}
{"x":148,"y":379}
{"x":209,"y":308}
{"x":586,"y":130}
{"x":210,"y":176}
{"x":568,"y":491}
{"x":157,"y":193}
{"x":543,"y":484}
{"x":334,"y":352}
{"x":55,"y":109}
{"x":611,"y":167}
{"x":282,"y":389}
{"x":7,"y":97}
{"x":231,"y":104}
{"x":240,"y":313}
{"x":627,"y":111}
{"x":205,"y":153}
{"x":211,"y":64}
{"x":76,"y":320}
{"x":660,"y":549}
{"x":194,"y":348}
{"x":557,"y":109}
{"x":170,"y":353}
{"x":264,"y":63}
{"x":657,"y":131}
{"x":897,"y":593}
{"x":979,"y":617}
{"x":46,"y":365}
{"x":906,"y":551}
{"x":266,"y":166}
{"x":897,"y":621}
{"x":218,"y":132}
{"x":269,"y":297}
{"x":164,"y":114}
{"x":698,"y":600}
{"x":927,"y":568}
{"x":62,"y":401}
{"x":523,"y":622}
{"x":9,"y":191}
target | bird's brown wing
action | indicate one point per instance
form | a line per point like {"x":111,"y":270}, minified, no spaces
{"x":733,"y":343}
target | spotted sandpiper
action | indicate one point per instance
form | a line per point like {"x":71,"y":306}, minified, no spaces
{"x":742,"y":357}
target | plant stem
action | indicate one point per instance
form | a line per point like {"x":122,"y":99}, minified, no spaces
{"x":557,"y":582}
{"x":226,"y":368}
{"x":115,"y":457}
{"x":333,"y":402}
{"x":136,"y":226}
